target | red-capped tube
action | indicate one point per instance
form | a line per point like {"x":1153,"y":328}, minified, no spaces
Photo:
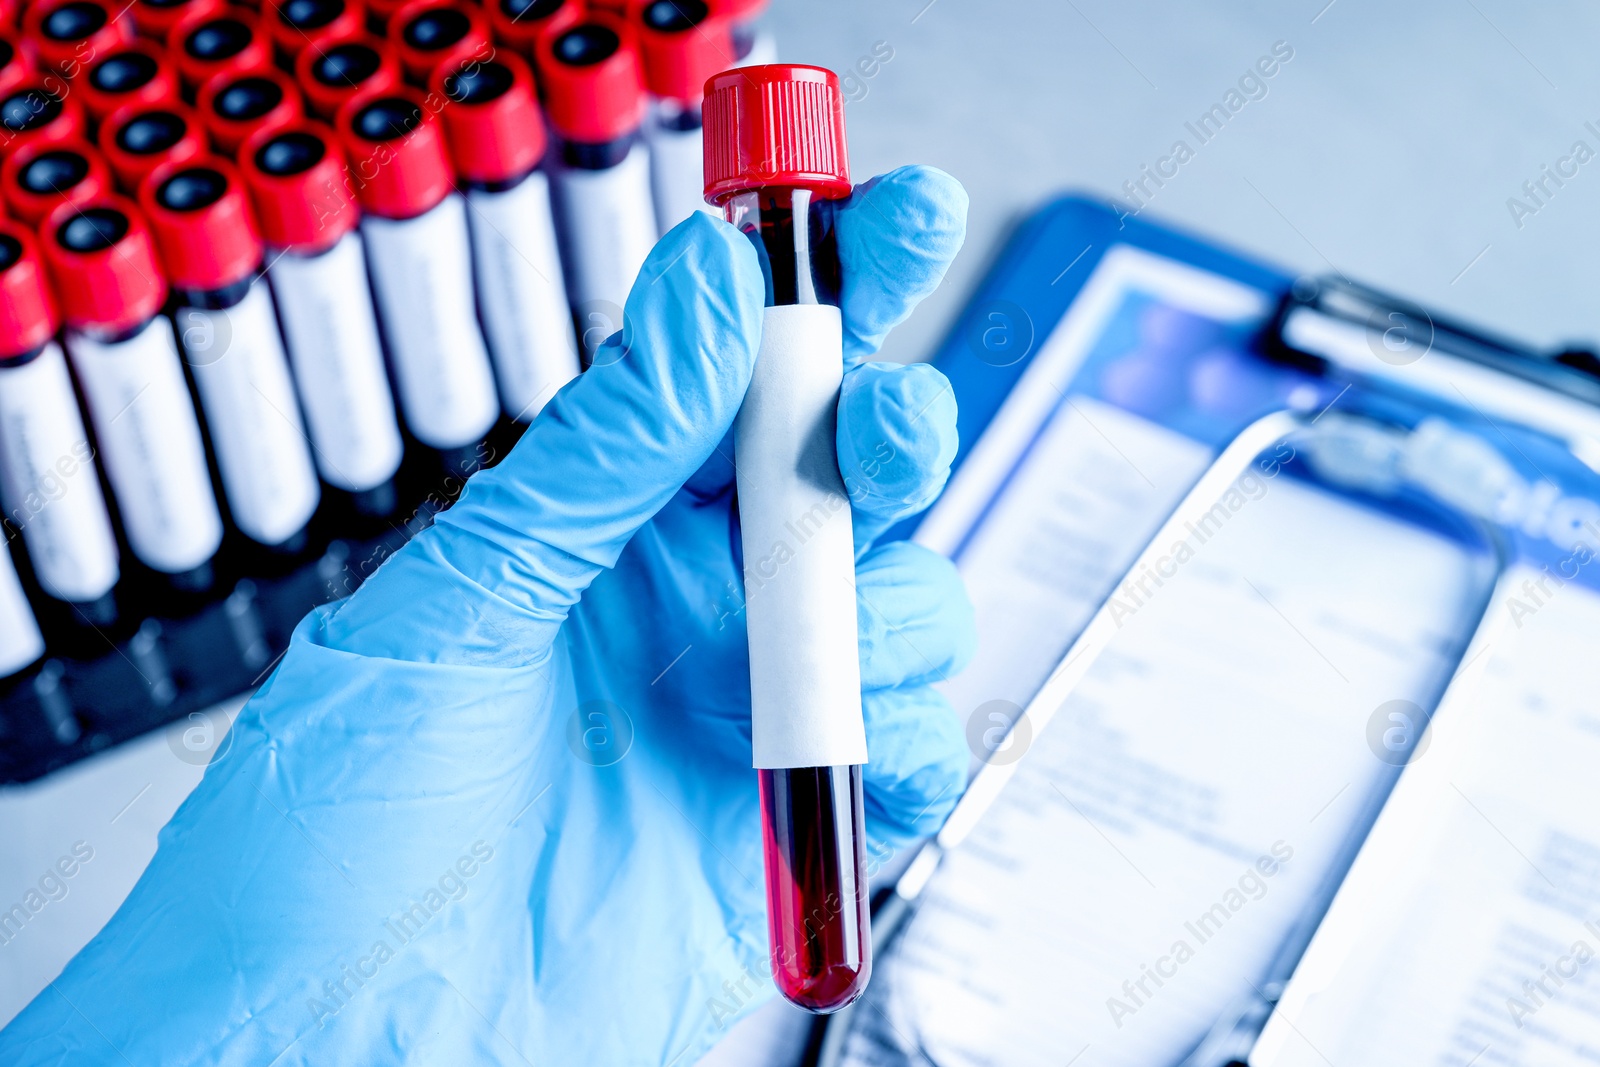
{"x":16,"y":61}
{"x":38,"y":109}
{"x":37,"y":178}
{"x":205,"y":231}
{"x":496,"y":137}
{"x":416,"y":231}
{"x":155,"y":19}
{"x":429,"y":34}
{"x":301,"y":191}
{"x":682,"y":43}
{"x":753,"y":45}
{"x":103,"y":264}
{"x":137,"y":74}
{"x":69,"y":538}
{"x":300,"y":24}
{"x":224,"y":40}
{"x":137,"y":140}
{"x":774,"y":147}
{"x":594,"y":96}
{"x":234,"y":106}
{"x":344,"y":67}
{"x":71,"y":34}
{"x":518,"y":24}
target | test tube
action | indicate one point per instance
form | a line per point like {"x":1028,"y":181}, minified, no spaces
{"x":298,"y":183}
{"x":111,"y":289}
{"x":47,"y":469}
{"x":154,"y":19}
{"x":518,"y":24}
{"x":605,"y":215}
{"x":296,"y":25}
{"x":341,"y":68}
{"x":753,"y":44}
{"x":421,"y":261}
{"x":38,"y":177}
{"x":774,"y":151}
{"x":682,"y":44}
{"x":235,"y":105}
{"x":497,"y":139}
{"x":16,"y":62}
{"x":137,"y":140}
{"x":137,"y":74}
{"x":428,"y":34}
{"x":207,"y":43}
{"x":206,"y":235}
{"x":38,"y":108}
{"x":70,"y":33}
{"x":21,"y":643}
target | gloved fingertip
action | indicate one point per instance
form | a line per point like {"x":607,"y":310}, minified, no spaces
{"x":915,"y":620}
{"x":917,"y":763}
{"x":896,"y":437}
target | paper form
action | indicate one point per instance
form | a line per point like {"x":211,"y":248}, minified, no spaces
{"x":1161,"y":836}
{"x":1468,"y":930}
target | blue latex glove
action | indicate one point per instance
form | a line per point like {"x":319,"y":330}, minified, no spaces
{"x":497,"y":807}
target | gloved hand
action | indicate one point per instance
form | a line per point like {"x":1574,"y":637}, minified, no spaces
{"x":497,"y":807}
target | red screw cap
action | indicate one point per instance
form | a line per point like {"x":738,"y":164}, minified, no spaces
{"x":27,"y":309}
{"x":397,"y":154}
{"x":70,"y":33}
{"x":298,"y":183}
{"x":39,"y":108}
{"x":296,"y":25}
{"x":222,"y":40}
{"x":518,"y":24}
{"x":340,"y":68}
{"x":739,"y":10}
{"x":200,"y":215}
{"x":103,"y":264}
{"x":155,"y":18}
{"x":682,"y":44}
{"x":234,"y":106}
{"x":137,"y":140}
{"x":16,"y":60}
{"x":431,"y":33}
{"x":491,"y":120}
{"x":775,"y":126}
{"x":40,"y":176}
{"x":594,"y":91}
{"x":136,"y":74}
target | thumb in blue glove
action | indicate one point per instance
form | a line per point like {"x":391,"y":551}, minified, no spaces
{"x":497,"y":807}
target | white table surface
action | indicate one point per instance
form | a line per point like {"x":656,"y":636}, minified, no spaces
{"x":1386,"y":150}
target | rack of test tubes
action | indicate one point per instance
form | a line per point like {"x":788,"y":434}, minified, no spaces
{"x":274,"y":281}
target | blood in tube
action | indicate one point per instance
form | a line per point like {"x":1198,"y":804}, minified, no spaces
{"x":774,"y":154}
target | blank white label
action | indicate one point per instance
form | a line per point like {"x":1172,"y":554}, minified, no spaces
{"x":248,"y":398}
{"x":677,"y":173}
{"x":799,"y":550}
{"x":521,"y":294}
{"x":332,"y":336}
{"x":150,"y":445}
{"x":20,"y":641}
{"x":608,"y":226}
{"x":422,"y":275}
{"x":51,"y":489}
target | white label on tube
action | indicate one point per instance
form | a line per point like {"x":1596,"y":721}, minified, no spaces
{"x":332,"y":337}
{"x":521,"y":295}
{"x":608,"y":226}
{"x":677,"y":173}
{"x":150,"y":445}
{"x":799,"y":552}
{"x":20,"y":640}
{"x":248,"y":399}
{"x":47,"y":473}
{"x":422,"y":274}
